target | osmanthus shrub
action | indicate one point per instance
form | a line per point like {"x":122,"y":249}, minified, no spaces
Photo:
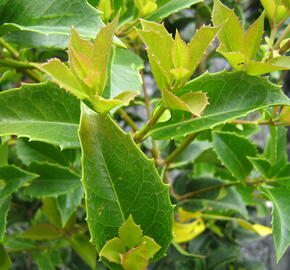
{"x":98,"y":172}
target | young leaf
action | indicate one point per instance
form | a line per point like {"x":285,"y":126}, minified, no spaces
{"x":231,"y":34}
{"x":53,"y":115}
{"x":113,"y":249}
{"x":253,"y":37}
{"x":63,"y":76}
{"x":53,"y":180}
{"x":13,"y":178}
{"x":110,"y":183}
{"x":221,"y":88}
{"x":233,"y":151}
{"x":280,"y":197}
{"x":130,"y":233}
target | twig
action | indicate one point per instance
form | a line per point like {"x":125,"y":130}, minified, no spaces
{"x":128,"y":119}
{"x":9,"y":48}
{"x":180,"y":148}
{"x":141,"y":134}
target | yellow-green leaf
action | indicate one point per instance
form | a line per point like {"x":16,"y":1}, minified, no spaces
{"x":102,"y":105}
{"x":259,"y":68}
{"x":112,"y":250}
{"x":193,"y":102}
{"x":257,"y":228}
{"x":231,"y":34}
{"x":102,"y":49}
{"x":150,"y":246}
{"x":253,"y":37}
{"x":199,"y":44}
{"x":130,"y":233}
{"x":236,"y":59}
{"x":61,"y":74}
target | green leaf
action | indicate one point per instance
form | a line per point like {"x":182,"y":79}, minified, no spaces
{"x":233,"y":151}
{"x":230,"y":95}
{"x":41,"y":232}
{"x":49,"y":17}
{"x":80,"y":243}
{"x":231,"y":34}
{"x":28,"y":152}
{"x":13,"y":178}
{"x":5,"y":262}
{"x":262,"y":165}
{"x":53,"y":115}
{"x":280,"y":197}
{"x":4,"y":208}
{"x":165,"y":8}
{"x":130,"y":233}
{"x":258,"y":68}
{"x":49,"y":209}
{"x":210,"y":201}
{"x":111,"y":176}
{"x":275,"y":150}
{"x":53,"y":180}
{"x":68,"y":203}
{"x":43,"y":260}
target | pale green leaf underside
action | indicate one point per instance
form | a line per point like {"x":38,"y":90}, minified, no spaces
{"x":230,"y":95}
{"x":119,"y":180}
{"x":41,"y":112}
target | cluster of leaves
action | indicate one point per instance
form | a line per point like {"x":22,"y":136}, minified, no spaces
{"x":72,"y":181}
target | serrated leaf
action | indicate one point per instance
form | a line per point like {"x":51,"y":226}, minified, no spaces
{"x":53,"y":180}
{"x":113,"y":249}
{"x":165,"y":8}
{"x":253,"y":37}
{"x":4,"y":208}
{"x":63,"y":76}
{"x":41,"y":232}
{"x":280,"y":197}
{"x":81,"y":244}
{"x":53,"y":115}
{"x":199,"y":44}
{"x":5,"y":262}
{"x":258,"y":68}
{"x":150,"y":246}
{"x":134,"y":259}
{"x":111,"y":181}
{"x":28,"y":152}
{"x":230,"y":95}
{"x":231,"y":34}
{"x":233,"y":151}
{"x":49,"y":17}
{"x":130,"y":233}
{"x":13,"y":178}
